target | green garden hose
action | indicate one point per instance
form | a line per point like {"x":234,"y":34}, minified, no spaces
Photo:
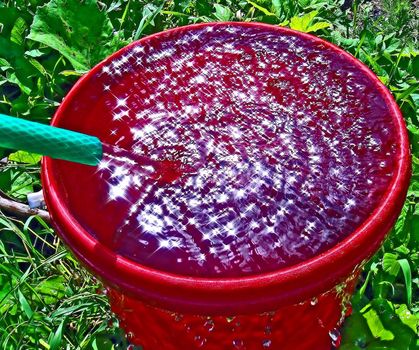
{"x":20,"y":134}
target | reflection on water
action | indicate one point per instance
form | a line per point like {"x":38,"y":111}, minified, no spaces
{"x":277,"y":147}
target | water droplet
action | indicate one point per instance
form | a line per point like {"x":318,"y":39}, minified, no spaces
{"x":238,"y":344}
{"x":267,"y":343}
{"x":268,"y":330}
{"x":314,"y":301}
{"x":209,"y":325}
{"x":335,"y":336}
{"x":230,"y":319}
{"x":200,"y":341}
{"x":178,"y":317}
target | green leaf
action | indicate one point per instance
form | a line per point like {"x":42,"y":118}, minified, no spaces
{"x":356,"y":332}
{"x":223,"y":13}
{"x":52,"y":289}
{"x":78,"y":30}
{"x":407,"y":92}
{"x":391,"y":326}
{"x":4,"y":64}
{"x":8,"y":17}
{"x":56,"y":339}
{"x":390,"y":264}
{"x":38,"y":66}
{"x":25,"y":157}
{"x":44,"y":344}
{"x":22,"y":185}
{"x":407,"y":317}
{"x":68,"y":73}
{"x":303,"y":23}
{"x":407,"y":273}
{"x":34,"y":53}
{"x":277,"y":6}
{"x":414,"y":137}
{"x":375,"y":325}
{"x":317,"y":26}
{"x":150,"y":11}
{"x":102,"y":343}
{"x":9,"y":50}
{"x":18,"y":30}
{"x":260,"y":8}
{"x":12,"y":78}
{"x":24,"y":304}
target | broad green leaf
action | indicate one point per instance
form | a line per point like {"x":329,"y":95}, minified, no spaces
{"x":4,"y":64}
{"x":375,"y":325}
{"x":78,"y":30}
{"x":395,"y":44}
{"x":407,"y":317}
{"x":402,"y":249}
{"x":34,"y":53}
{"x":378,"y":39}
{"x":390,"y":264}
{"x":25,"y":157}
{"x":303,"y":23}
{"x":392,"y":326}
{"x":52,"y":289}
{"x":355,"y":332}
{"x":317,"y":26}
{"x":223,"y":13}
{"x":22,"y":185}
{"x":18,"y":30}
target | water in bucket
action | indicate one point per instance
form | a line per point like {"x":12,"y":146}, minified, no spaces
{"x":266,"y":151}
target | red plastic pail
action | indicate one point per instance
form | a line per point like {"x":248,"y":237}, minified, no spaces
{"x":298,"y":306}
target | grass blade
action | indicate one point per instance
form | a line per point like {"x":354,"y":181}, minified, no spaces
{"x":24,"y":304}
{"x":55,"y":342}
{"x":407,"y":273}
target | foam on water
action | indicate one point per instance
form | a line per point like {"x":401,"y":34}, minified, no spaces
{"x":283,"y":149}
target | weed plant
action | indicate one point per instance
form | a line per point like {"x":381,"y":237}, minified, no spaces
{"x":47,"y":300}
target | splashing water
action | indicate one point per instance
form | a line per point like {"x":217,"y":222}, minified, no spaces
{"x":264,"y":150}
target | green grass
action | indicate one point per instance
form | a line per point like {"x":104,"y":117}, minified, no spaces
{"x":47,"y":301}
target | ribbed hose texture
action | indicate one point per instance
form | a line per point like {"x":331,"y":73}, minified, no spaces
{"x":20,"y":134}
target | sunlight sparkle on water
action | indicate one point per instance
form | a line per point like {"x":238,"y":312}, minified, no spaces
{"x":286,"y":157}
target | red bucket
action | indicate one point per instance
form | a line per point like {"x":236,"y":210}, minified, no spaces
{"x":297,"y":305}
